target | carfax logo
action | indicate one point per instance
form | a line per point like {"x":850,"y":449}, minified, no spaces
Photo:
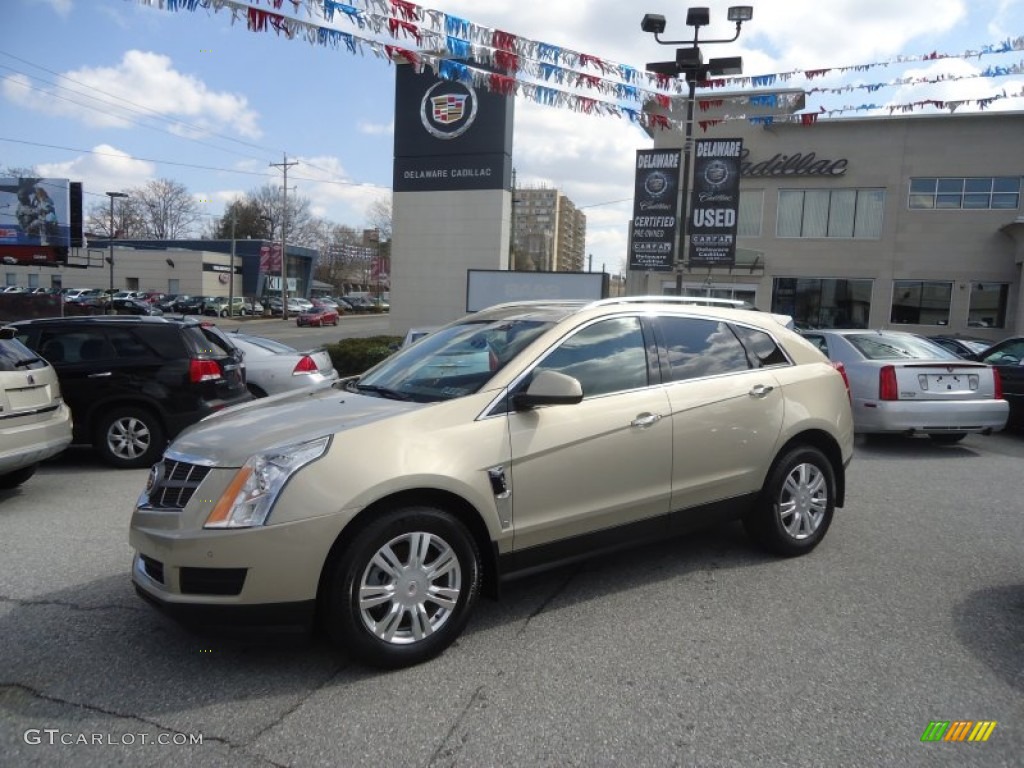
{"x":448,"y":109}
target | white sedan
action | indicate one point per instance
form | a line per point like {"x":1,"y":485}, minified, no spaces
{"x":902,"y":383}
{"x":272,"y":367}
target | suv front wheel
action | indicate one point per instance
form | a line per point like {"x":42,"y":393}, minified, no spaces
{"x":404,"y":588}
{"x":129,"y":437}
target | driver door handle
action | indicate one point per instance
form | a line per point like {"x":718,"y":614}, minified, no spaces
{"x":644,"y":420}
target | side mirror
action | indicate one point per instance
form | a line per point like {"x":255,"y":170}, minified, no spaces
{"x":6,"y":332}
{"x":549,"y":388}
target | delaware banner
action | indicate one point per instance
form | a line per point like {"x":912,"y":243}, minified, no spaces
{"x":715,"y":202}
{"x":655,"y":207}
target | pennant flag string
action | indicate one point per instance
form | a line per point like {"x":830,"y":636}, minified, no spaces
{"x":515,"y":64}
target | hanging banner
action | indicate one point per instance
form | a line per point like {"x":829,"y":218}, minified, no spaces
{"x":715,"y":202}
{"x":655,"y":206}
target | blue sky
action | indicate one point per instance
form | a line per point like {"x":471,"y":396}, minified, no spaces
{"x":160,"y":93}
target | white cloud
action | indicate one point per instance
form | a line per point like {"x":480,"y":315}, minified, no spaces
{"x":60,"y":7}
{"x":143,"y":87}
{"x":107,"y":169}
{"x":377,"y":129}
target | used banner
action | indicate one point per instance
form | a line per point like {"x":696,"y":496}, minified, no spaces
{"x":655,"y":206}
{"x":715,"y":202}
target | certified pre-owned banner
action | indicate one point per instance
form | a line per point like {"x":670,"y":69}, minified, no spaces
{"x":655,"y":203}
{"x":715,"y":202}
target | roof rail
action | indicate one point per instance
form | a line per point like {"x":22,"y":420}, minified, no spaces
{"x":705,"y":301}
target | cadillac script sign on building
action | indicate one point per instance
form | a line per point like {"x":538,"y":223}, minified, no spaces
{"x":655,"y":205}
{"x":715,"y":202}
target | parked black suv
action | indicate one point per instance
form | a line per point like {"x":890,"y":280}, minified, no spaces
{"x":133,"y":383}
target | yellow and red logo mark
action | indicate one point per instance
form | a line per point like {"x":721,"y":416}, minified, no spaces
{"x":958,"y":730}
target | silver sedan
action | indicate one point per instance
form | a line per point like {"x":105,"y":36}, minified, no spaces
{"x":272,"y":367}
{"x":902,"y":383}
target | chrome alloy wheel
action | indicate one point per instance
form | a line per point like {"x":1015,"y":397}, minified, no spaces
{"x":803,"y":501}
{"x":128,"y":437}
{"x":410,"y":588}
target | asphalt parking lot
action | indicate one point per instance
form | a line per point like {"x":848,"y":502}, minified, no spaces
{"x":698,"y":651}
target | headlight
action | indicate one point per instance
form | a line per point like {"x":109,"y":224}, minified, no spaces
{"x":251,"y":495}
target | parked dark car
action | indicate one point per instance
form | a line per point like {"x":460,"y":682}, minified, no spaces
{"x":967,"y":347}
{"x":133,"y":383}
{"x":1007,"y":357}
{"x":189,"y":305}
{"x":135,"y":307}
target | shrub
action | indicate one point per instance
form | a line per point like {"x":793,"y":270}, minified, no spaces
{"x":353,"y":356}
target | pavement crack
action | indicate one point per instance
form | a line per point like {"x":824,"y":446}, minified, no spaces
{"x":448,"y":753}
{"x":36,"y":693}
{"x":31,"y":602}
{"x":292,"y":709}
{"x":547,"y":601}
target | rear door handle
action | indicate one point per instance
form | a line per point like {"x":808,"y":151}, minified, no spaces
{"x":760,"y":390}
{"x":98,"y":375}
{"x":645,"y":420}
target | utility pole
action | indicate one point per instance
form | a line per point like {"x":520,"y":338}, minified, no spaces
{"x":231,"y":273}
{"x":285,"y":165}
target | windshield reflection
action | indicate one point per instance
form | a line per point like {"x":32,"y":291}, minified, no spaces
{"x":452,"y":362}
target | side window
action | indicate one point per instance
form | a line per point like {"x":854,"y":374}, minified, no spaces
{"x":698,"y":347}
{"x":608,"y":356}
{"x":818,"y":341}
{"x":761,"y":348}
{"x":127,"y":345}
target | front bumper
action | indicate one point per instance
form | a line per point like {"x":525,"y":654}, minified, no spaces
{"x":266,"y":576}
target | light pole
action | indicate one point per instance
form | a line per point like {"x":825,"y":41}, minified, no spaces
{"x":689,"y":62}
{"x":110,"y":258}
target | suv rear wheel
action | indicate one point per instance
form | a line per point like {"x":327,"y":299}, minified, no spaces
{"x":796,"y":504}
{"x":404,"y":588}
{"x":129,"y":437}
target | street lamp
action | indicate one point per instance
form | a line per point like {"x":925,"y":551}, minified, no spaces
{"x":689,"y":62}
{"x":112,"y":195}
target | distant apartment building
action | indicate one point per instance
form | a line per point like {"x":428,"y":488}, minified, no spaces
{"x":549,"y":232}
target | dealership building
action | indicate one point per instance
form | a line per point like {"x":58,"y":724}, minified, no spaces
{"x":910,"y":221}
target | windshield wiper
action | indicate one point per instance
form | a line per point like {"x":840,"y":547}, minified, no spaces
{"x":28,"y":361}
{"x":391,"y":394}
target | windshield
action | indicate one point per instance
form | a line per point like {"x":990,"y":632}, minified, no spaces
{"x":892,"y":346}
{"x":452,"y":362}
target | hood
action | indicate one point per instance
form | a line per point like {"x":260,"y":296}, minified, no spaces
{"x":230,"y":437}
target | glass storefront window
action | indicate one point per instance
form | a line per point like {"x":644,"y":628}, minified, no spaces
{"x":988,"y":305}
{"x":823,"y":302}
{"x":969,"y":193}
{"x":920,"y":302}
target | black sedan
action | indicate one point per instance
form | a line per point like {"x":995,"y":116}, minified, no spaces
{"x":967,"y":347}
{"x":1007,"y":357}
{"x":135,"y":307}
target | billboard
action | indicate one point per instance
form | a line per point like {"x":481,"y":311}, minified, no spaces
{"x":715,"y":202}
{"x":35,"y":212}
{"x":655,"y":203}
{"x":487,"y":287}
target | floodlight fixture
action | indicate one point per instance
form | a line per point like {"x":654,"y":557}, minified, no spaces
{"x":653,"y":22}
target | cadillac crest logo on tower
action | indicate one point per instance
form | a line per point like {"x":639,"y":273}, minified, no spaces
{"x":448,"y":109}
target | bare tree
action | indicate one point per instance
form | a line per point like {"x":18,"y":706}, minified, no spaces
{"x":170,"y":210}
{"x":380,"y":217}
{"x":129,"y":219}
{"x":303,"y":228}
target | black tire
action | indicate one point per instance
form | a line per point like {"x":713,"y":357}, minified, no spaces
{"x":255,"y":391}
{"x":947,"y":438}
{"x":128,"y":437}
{"x":353,"y":626}
{"x":223,"y":313}
{"x":17,"y":477}
{"x":796,"y":504}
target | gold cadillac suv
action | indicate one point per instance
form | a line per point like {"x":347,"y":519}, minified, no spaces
{"x":524,"y":435}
